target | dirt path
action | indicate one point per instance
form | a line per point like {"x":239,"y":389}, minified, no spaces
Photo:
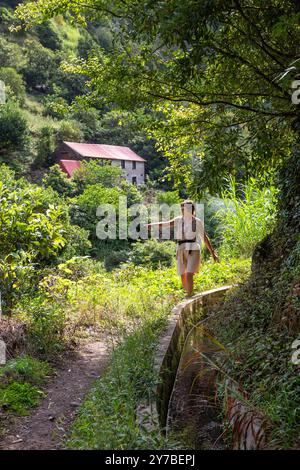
{"x":48,"y":424}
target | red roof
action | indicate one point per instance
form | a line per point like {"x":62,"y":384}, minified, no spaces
{"x":107,"y":152}
{"x":69,"y":166}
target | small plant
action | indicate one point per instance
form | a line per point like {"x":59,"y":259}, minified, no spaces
{"x":19,"y":397}
{"x":19,"y":381}
{"x":26,"y":369}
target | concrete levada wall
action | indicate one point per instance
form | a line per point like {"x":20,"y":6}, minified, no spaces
{"x":248,"y":425}
{"x":184,"y":316}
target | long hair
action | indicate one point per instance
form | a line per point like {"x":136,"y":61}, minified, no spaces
{"x":188,"y":202}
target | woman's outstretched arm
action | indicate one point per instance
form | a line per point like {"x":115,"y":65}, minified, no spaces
{"x":162,"y":224}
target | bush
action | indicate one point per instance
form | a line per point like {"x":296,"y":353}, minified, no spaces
{"x":13,"y":128}
{"x":249,"y":214}
{"x":131,"y":192}
{"x":69,"y":130}
{"x":56,"y":106}
{"x":85,"y":45}
{"x":46,"y":323}
{"x":168,"y":197}
{"x":77,"y":242}
{"x":25,"y":369}
{"x":14,"y":85}
{"x":45,"y":147}
{"x":6,"y":16}
{"x":7,"y":176}
{"x":48,"y":37}
{"x":58,"y":180}
{"x":153,"y":253}
{"x":24,"y":226}
{"x":32,"y":232}
{"x":11,"y":54}
{"x":92,"y":172}
{"x":41,"y":67}
{"x":18,"y":380}
{"x":19,"y":397}
{"x":83,"y":213}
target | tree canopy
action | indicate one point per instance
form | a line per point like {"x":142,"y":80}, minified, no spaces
{"x":217,"y":73}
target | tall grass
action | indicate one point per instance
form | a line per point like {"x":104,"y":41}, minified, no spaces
{"x":247,"y":216}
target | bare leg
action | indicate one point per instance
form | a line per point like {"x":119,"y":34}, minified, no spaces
{"x":183,"y":280}
{"x":189,"y":283}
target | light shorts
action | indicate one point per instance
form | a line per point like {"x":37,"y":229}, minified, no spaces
{"x":188,"y":261}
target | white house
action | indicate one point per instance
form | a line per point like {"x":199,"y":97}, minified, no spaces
{"x":69,"y":155}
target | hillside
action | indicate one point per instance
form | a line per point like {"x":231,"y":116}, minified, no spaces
{"x":42,"y":109}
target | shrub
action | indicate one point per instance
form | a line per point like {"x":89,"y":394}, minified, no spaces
{"x":41,"y":67}
{"x":91,"y":172}
{"x":11,"y":54}
{"x":6,"y":16}
{"x":25,"y":369}
{"x":13,"y":128}
{"x":77,"y":242}
{"x":69,"y":130}
{"x":48,"y":36}
{"x":7,"y":176}
{"x":56,"y":179}
{"x":14,"y":85}
{"x":25,"y":227}
{"x":153,"y":253}
{"x":46,"y":323}
{"x":131,"y":192}
{"x":56,"y":106}
{"x":16,"y":277}
{"x":19,"y":397}
{"x":84,"y":212}
{"x":32,"y":232}
{"x":85,"y":45}
{"x":168,"y":197}
{"x":45,"y":146}
{"x":104,"y":37}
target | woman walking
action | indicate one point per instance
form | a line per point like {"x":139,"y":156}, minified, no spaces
{"x":189,"y":232}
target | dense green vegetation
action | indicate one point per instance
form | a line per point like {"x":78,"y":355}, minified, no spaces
{"x":41,"y":108}
{"x":202,"y":90}
{"x":135,"y":302}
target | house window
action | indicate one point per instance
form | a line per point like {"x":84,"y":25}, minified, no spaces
{"x":123,"y":163}
{"x":134,"y":165}
{"x":134,"y":180}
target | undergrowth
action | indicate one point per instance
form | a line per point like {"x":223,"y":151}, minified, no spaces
{"x":135,"y":303}
{"x":258,"y":325}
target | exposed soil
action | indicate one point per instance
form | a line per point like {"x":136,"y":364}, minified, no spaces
{"x":47,"y":427}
